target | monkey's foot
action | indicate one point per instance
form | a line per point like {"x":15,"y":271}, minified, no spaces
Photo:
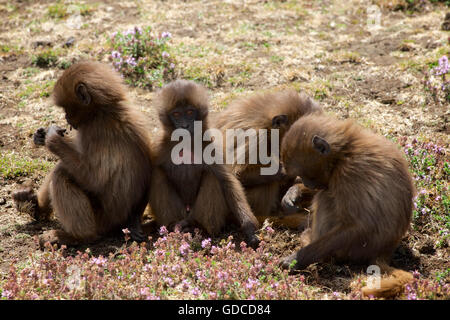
{"x":249,"y":230}
{"x":288,"y":262}
{"x":26,"y":202}
{"x":253,"y":241}
{"x":185,"y":226}
{"x":137,"y":235}
{"x":150,"y":227}
{"x":58,"y":237}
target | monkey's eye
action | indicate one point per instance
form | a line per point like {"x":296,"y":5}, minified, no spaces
{"x":189,"y":112}
{"x":176,"y":114}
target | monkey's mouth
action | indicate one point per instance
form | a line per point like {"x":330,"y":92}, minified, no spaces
{"x":71,"y":123}
{"x":313,"y":185}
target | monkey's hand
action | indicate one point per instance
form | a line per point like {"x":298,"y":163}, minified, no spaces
{"x":290,"y":200}
{"x":135,"y":228}
{"x":54,"y":141}
{"x":301,"y":259}
{"x":26,"y":201}
{"x":55,"y":131}
{"x":39,"y":137}
{"x":290,"y":262}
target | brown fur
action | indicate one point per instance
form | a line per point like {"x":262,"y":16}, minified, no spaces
{"x":102,"y":180}
{"x":216,"y":195}
{"x":365,"y":204}
{"x":264,"y":193}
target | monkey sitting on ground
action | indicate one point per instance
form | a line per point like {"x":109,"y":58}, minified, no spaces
{"x":191,"y":194}
{"x":102,"y":181}
{"x":268,"y":194}
{"x":365,"y":202}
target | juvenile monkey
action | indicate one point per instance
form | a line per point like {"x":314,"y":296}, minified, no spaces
{"x":102,"y":181}
{"x":192,"y":194}
{"x":268,"y":194}
{"x":365,"y":202}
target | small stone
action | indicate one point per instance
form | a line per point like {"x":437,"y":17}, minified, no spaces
{"x":2,"y":201}
{"x":69,"y":42}
{"x":427,"y":248}
{"x":446,"y":25}
{"x":387,"y":101}
{"x":406,"y":47}
{"x":42,"y":43}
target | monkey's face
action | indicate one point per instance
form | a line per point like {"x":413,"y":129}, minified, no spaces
{"x":308,"y":158}
{"x":183,"y":117}
{"x":73,"y":117}
{"x":314,"y":175}
{"x":281,"y":122}
{"x":76,"y":101}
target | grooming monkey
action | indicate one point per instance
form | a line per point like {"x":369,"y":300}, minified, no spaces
{"x":102,"y":179}
{"x":365,"y":202}
{"x":268,"y":194}
{"x":191,"y":194}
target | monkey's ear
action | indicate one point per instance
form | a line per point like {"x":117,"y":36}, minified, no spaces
{"x":82,"y":93}
{"x":321,"y":145}
{"x":279,"y":120}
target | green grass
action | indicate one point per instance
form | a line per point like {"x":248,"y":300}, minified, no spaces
{"x":198,"y":74}
{"x":11,"y":49}
{"x":46,"y":58}
{"x":143,"y":57}
{"x":13,"y":165}
{"x":60,"y":10}
{"x":44,"y":90}
{"x":431,"y":171}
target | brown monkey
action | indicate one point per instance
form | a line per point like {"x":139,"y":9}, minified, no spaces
{"x":193,"y":194}
{"x":266,"y":193}
{"x":102,"y":180}
{"x":365,"y":202}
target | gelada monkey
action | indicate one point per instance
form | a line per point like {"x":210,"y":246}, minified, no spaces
{"x":102,"y":179}
{"x":268,"y":194}
{"x":364,"y":204}
{"x":190,"y":194}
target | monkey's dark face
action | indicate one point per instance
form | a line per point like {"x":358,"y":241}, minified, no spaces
{"x":313,"y":184}
{"x":76,"y":103}
{"x":77,"y":114}
{"x":183,"y":117}
{"x":73,"y":118}
{"x":314,"y":175}
{"x":281,"y":122}
{"x":308,"y":158}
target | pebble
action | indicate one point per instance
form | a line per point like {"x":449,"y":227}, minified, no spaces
{"x":69,"y":42}
{"x":446,"y":25}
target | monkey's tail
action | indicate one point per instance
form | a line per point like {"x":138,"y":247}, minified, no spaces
{"x":293,"y":221}
{"x":391,"y":286}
